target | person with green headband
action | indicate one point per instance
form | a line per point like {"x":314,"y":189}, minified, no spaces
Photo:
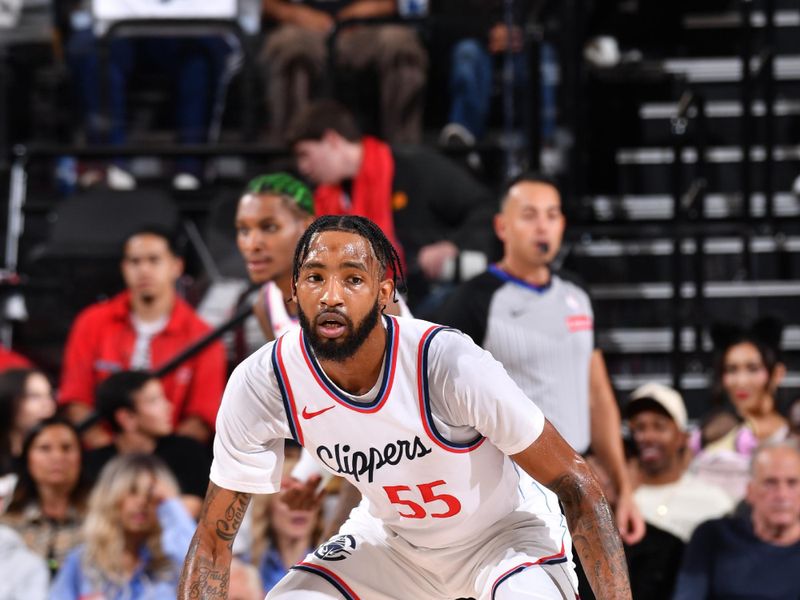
{"x":272,"y":214}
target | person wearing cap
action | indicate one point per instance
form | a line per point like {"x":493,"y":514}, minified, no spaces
{"x":668,"y":496}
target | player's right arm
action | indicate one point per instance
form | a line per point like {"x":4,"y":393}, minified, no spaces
{"x":206,"y":570}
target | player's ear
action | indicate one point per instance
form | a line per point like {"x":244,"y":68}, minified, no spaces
{"x":386,"y":293}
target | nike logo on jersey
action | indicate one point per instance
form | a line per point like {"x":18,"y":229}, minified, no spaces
{"x":316,"y":413}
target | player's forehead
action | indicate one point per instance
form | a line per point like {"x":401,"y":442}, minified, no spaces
{"x":335,"y":248}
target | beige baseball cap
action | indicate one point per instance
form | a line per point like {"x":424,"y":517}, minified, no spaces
{"x":663,"y":395}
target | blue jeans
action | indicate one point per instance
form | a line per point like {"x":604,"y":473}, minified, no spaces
{"x":193,"y":64}
{"x":470,"y":85}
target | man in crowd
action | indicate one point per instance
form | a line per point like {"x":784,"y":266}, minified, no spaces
{"x":430,"y":208}
{"x":296,"y":56}
{"x":754,"y":556}
{"x":133,"y":404}
{"x":140,"y":329}
{"x":466,"y":532}
{"x":667,"y":495}
{"x":539,"y":325}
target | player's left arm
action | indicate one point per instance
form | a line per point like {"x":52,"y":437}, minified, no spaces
{"x":607,"y":445}
{"x":553,"y":462}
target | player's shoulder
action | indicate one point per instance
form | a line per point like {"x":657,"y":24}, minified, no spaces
{"x":429,"y":336}
{"x":259,"y":362}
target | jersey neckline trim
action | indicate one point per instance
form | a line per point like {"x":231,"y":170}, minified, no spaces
{"x":424,"y":398}
{"x":495,"y":270}
{"x":389,"y":367}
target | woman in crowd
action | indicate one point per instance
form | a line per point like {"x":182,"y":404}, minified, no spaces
{"x":282,"y":536}
{"x":48,"y":502}
{"x":136,"y":536}
{"x":26,"y":398}
{"x":748,"y":372}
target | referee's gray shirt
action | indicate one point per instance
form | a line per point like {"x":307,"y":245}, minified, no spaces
{"x":544,"y":336}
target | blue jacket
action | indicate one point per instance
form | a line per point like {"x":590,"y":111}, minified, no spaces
{"x":73,"y":583}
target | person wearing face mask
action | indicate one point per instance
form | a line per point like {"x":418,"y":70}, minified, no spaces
{"x":748,"y":372}
{"x":48,"y":504}
{"x":26,"y":398}
{"x":135,"y":536}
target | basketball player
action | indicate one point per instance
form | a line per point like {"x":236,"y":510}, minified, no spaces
{"x":424,"y":423}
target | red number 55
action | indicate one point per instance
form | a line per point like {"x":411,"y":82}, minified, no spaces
{"x":426,"y":491}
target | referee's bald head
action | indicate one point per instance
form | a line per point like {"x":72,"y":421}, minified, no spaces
{"x":530,"y":177}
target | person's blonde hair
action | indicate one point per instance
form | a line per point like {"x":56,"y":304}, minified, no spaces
{"x":103,"y":533}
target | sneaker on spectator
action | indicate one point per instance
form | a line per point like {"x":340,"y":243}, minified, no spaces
{"x":185,"y":182}
{"x":119,"y":179}
{"x":456,"y":135}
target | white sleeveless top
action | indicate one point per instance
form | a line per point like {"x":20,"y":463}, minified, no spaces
{"x":429,"y":490}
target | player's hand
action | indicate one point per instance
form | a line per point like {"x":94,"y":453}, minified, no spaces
{"x":302,"y":496}
{"x":629,"y":519}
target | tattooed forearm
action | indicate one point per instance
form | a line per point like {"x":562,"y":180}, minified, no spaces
{"x":228,"y":526}
{"x":594,"y":534}
{"x":207,"y":568}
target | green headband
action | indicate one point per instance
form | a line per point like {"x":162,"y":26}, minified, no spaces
{"x":285,"y":185}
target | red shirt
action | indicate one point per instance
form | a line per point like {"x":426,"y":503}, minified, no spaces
{"x":11,"y":360}
{"x":101,"y":342}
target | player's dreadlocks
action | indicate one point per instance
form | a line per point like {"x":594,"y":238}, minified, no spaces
{"x":381,"y":246}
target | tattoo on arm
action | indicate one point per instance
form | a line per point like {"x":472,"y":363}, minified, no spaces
{"x":594,"y":534}
{"x":207,"y":567}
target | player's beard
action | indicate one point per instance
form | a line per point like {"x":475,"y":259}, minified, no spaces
{"x":344,"y":347}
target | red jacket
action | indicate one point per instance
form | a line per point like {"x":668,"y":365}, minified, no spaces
{"x":101,"y":343}
{"x":11,"y":360}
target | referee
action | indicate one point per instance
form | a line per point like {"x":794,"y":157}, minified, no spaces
{"x":540,"y":325}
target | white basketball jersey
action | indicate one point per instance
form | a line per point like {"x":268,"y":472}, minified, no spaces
{"x":431,"y":491}
{"x":275,"y":306}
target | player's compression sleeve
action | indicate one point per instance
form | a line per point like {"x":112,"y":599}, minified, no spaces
{"x":251,"y":428}
{"x":470,"y":388}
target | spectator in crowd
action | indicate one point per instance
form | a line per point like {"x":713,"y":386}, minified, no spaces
{"x":480,"y":40}
{"x":667,"y":495}
{"x":133,"y":404}
{"x":754,"y":556}
{"x":748,"y":372}
{"x":271,"y":216}
{"x":194,"y":65}
{"x":282,"y":535}
{"x":48,"y":503}
{"x":295,"y":57}
{"x":26,"y":398}
{"x":539,"y":324}
{"x":429,"y":207}
{"x":23,"y":574}
{"x":135,"y":536}
{"x":140,"y":329}
{"x":245,"y":582}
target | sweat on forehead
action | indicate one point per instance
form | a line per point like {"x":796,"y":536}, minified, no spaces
{"x":351,"y":245}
